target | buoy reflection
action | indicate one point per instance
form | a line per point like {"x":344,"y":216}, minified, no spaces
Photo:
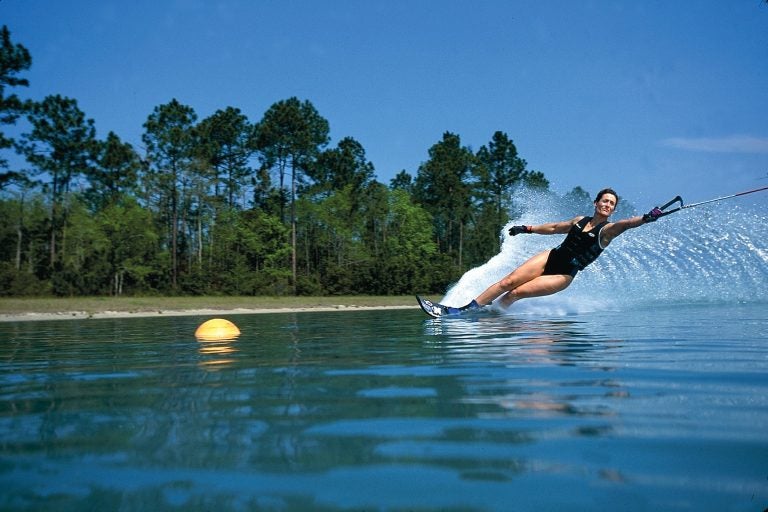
{"x":215,"y":353}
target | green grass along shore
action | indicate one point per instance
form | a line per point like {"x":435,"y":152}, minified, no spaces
{"x":89,"y":306}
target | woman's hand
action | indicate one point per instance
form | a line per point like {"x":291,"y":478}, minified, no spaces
{"x":518,"y":230}
{"x":653,"y":215}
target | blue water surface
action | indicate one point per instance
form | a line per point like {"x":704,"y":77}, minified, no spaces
{"x":654,"y":407}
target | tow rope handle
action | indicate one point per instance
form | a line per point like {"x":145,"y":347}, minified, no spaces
{"x":679,"y":199}
{"x":676,"y":199}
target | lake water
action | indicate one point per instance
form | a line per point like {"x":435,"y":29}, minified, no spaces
{"x":648,"y":407}
{"x":642,"y":387}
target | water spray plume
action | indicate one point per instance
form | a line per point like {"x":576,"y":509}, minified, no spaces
{"x":720,"y":255}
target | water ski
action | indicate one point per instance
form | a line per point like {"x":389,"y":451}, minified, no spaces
{"x":436,"y":310}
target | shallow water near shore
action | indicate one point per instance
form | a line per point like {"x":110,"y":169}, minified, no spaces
{"x":654,"y":407}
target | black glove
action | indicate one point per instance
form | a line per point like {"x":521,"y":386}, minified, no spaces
{"x":517,"y":230}
{"x":653,"y":215}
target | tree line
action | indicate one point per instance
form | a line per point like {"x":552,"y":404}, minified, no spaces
{"x":225,"y":205}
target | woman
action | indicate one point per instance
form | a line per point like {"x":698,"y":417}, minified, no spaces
{"x":553,"y":270}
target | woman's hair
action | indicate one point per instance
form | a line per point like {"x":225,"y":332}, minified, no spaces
{"x":607,"y":191}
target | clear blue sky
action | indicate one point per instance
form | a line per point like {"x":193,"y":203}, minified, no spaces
{"x":652,"y":97}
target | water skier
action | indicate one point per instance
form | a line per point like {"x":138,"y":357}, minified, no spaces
{"x":553,"y":270}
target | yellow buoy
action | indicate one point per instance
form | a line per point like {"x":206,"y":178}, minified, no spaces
{"x":217,"y":329}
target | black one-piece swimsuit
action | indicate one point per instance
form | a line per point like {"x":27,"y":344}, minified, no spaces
{"x":579,"y":249}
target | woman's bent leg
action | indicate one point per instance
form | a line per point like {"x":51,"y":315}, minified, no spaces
{"x":542,"y":285}
{"x":531,"y":269}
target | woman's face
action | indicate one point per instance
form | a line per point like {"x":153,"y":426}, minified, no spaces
{"x":606,"y":204}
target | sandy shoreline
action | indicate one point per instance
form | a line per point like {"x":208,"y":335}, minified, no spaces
{"x":216,"y":313}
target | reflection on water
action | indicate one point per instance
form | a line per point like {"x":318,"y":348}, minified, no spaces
{"x":387,"y":411}
{"x":530,"y":344}
{"x":216,"y":353}
{"x":560,"y":341}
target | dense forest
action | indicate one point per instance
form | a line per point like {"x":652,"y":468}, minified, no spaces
{"x":225,"y":205}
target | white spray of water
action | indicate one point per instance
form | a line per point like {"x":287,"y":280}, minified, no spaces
{"x":716,"y":253}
